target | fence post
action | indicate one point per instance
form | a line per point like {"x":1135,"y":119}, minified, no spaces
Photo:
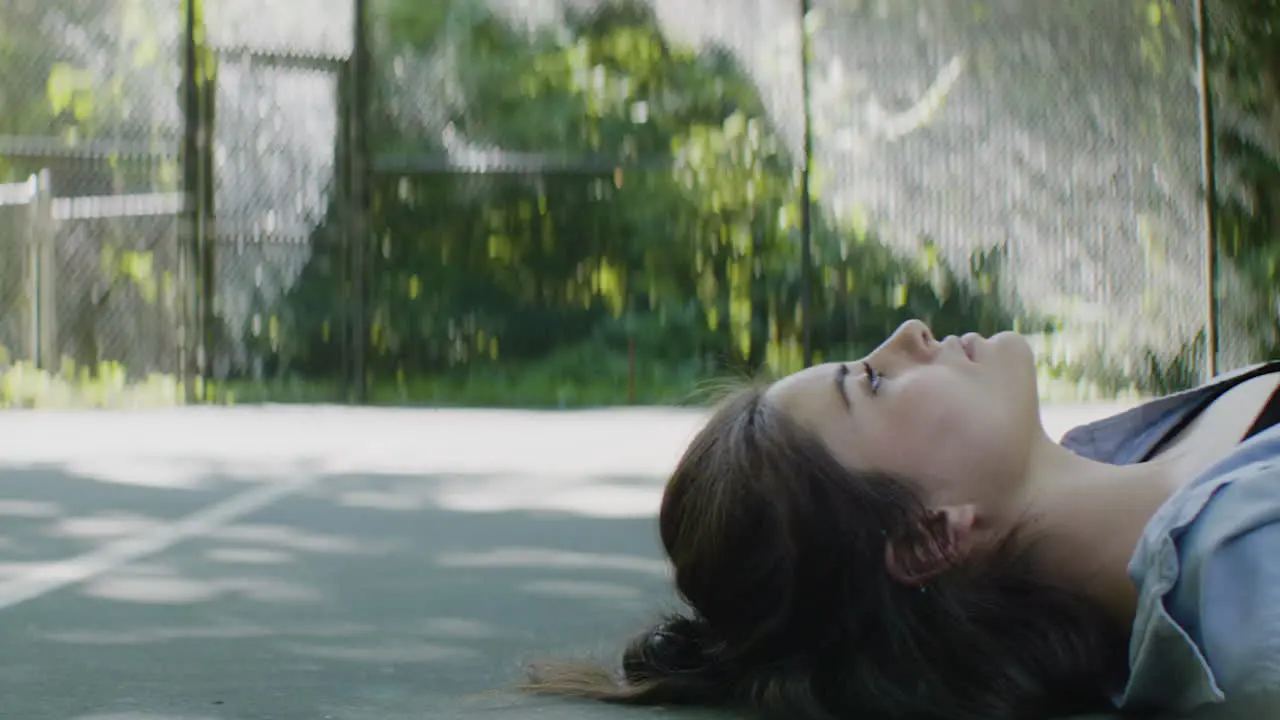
{"x":43,"y":268}
{"x":32,"y":250}
{"x":31,"y":270}
{"x":190,"y":333}
{"x":806,"y":200}
{"x":1208,"y":169}
{"x":206,"y":233}
{"x":358,"y":198}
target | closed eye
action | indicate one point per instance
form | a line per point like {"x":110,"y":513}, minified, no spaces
{"x":873,"y":377}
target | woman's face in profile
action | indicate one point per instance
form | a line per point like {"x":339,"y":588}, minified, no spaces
{"x":955,"y":418}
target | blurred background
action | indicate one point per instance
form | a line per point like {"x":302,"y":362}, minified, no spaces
{"x":564,"y":203}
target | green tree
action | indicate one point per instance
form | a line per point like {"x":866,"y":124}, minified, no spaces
{"x":1245,"y":77}
{"x":595,"y":189}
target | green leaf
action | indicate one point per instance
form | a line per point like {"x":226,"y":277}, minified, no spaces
{"x":899,"y":295}
{"x":64,"y":83}
{"x":82,"y":107}
{"x":146,"y":53}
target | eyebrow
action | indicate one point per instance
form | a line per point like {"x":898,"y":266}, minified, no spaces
{"x":842,"y":372}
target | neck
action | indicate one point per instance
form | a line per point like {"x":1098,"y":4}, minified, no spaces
{"x":1086,"y":517}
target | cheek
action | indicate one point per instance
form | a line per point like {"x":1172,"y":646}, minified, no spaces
{"x":931,"y":433}
{"x":931,"y":407}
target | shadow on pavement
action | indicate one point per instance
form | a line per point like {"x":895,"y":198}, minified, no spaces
{"x":362,"y":596}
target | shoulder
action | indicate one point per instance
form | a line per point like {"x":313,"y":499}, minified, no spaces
{"x":1126,"y":436}
{"x":1208,"y":572}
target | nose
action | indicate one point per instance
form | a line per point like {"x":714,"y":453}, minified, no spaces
{"x":911,"y":343}
{"x":913,"y":338}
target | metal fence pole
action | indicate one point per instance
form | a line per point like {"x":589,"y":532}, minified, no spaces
{"x":44,"y":331}
{"x":34,"y":242}
{"x":205,"y":223}
{"x":190,"y":199}
{"x":31,"y":259}
{"x":48,"y":276}
{"x":1208,"y":159}
{"x":344,"y":238}
{"x":358,"y":199}
{"x":195,"y":252}
{"x":806,"y":229}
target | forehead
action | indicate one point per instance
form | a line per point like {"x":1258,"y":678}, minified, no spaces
{"x":802,"y":393}
{"x":813,"y":400}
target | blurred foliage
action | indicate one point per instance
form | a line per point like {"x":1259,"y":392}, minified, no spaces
{"x":584,"y":212}
{"x":107,"y":385}
{"x":681,"y":249}
{"x":72,"y":74}
{"x":1245,"y":66}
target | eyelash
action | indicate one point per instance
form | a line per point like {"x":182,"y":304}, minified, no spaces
{"x":873,"y":377}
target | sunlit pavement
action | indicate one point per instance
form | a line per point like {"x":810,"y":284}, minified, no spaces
{"x":326,"y":563}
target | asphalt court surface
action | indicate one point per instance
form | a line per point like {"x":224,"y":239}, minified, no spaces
{"x":327,"y":563}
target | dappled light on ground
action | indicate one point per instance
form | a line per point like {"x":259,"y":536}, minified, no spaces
{"x":289,"y":538}
{"x":164,"y":586}
{"x":581,"y":590}
{"x":143,"y":716}
{"x":105,"y":525}
{"x":27,"y":509}
{"x":551,"y":559}
{"x":248,"y":556}
{"x":591,"y":496}
{"x":388,"y":652}
{"x":574,"y":494}
{"x":452,"y":627}
{"x":218,"y":630}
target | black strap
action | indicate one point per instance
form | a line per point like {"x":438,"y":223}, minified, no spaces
{"x":1207,"y":400}
{"x":1269,"y":417}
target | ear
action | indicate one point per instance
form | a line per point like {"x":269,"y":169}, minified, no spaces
{"x":944,"y":537}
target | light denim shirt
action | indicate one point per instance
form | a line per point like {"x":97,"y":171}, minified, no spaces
{"x":1207,"y":566}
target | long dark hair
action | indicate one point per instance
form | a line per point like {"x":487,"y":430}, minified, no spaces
{"x":778,"y":549}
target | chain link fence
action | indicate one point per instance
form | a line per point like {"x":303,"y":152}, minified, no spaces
{"x":274,"y":183}
{"x":590,"y":201}
{"x":1060,"y":137}
{"x":16,"y":332}
{"x":89,"y":166}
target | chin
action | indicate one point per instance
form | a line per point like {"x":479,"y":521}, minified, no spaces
{"x":1017,"y":355}
{"x":1015,"y":344}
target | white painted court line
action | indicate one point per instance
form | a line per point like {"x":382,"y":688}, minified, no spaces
{"x":57,"y":575}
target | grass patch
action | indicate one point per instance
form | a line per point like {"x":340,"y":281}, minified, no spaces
{"x":23,"y":385}
{"x":576,"y":377}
